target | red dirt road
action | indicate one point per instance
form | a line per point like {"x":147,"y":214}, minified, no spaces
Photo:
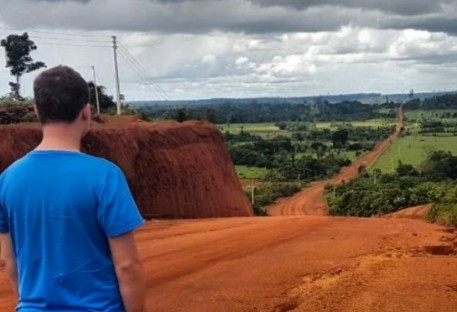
{"x":295,"y":264}
{"x":310,"y":201}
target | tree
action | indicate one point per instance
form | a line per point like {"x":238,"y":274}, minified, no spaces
{"x":339,"y":138}
{"x":319,"y":148}
{"x":182,"y":115}
{"x":211,"y":115}
{"x":106,"y":101}
{"x":18,"y":59}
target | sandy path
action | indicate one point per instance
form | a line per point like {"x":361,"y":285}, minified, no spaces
{"x":310,"y":201}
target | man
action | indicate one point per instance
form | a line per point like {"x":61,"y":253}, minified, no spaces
{"x":67,"y":218}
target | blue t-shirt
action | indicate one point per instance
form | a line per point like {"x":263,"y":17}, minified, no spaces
{"x":60,"y":207}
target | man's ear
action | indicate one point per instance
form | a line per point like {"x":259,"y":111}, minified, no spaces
{"x":85,"y":112}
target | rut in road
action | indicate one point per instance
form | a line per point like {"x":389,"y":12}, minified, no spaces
{"x":310,"y":201}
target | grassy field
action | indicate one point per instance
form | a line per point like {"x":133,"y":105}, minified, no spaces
{"x":265,"y":130}
{"x":250,"y":173}
{"x":418,"y":114}
{"x":413,"y":150}
{"x":374,"y":123}
{"x":249,"y":127}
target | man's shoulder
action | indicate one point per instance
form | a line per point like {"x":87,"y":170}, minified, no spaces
{"x":97,"y":164}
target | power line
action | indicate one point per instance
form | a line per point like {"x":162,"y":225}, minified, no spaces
{"x":143,"y":79}
{"x":74,"y":41}
{"x":75,"y":45}
{"x":70,"y":39}
{"x":51,"y":32}
{"x":142,"y":72}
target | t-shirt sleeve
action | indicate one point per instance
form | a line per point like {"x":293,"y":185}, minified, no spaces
{"x":117,"y":212}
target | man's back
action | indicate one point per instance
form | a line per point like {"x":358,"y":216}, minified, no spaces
{"x":60,"y":207}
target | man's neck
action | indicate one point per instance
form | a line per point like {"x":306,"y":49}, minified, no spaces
{"x":65,"y":137}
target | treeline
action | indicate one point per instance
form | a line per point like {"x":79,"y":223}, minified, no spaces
{"x":375,"y":193}
{"x":12,"y":112}
{"x":227,"y":113}
{"x":446,"y":101}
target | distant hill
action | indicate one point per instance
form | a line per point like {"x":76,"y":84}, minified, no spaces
{"x":366,"y":98}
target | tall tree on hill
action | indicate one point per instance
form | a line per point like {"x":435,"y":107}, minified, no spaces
{"x":106,"y":101}
{"x":18,"y":59}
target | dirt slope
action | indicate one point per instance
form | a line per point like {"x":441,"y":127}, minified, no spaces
{"x":418,"y":212}
{"x":310,"y":201}
{"x":174,"y":170}
{"x":295,"y":264}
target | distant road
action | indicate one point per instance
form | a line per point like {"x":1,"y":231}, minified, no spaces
{"x":311,"y":201}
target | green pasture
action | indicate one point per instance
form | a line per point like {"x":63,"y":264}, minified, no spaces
{"x":419,"y":114}
{"x":265,"y":130}
{"x":250,"y":173}
{"x":249,"y":127}
{"x":413,"y":150}
{"x":373,"y":123}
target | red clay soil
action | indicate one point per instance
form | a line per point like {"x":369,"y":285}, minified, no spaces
{"x":311,"y":201}
{"x":295,"y":264}
{"x":175,"y":170}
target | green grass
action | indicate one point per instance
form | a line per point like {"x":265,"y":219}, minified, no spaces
{"x":265,"y":130}
{"x":418,"y":114}
{"x":249,"y":127}
{"x":250,"y":173}
{"x":413,"y":150}
{"x":444,"y":213}
{"x":373,"y":123}
{"x":351,"y":155}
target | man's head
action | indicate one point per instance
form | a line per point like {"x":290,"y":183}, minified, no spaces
{"x":61,"y":96}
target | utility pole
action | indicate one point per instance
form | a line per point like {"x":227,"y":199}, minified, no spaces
{"x":96,"y":90}
{"x":116,"y":71}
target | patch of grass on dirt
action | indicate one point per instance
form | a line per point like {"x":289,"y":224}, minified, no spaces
{"x":444,"y":213}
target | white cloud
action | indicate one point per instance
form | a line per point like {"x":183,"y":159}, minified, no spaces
{"x":217,"y":48}
{"x":241,"y":60}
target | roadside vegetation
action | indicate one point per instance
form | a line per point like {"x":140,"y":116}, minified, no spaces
{"x":418,"y":168}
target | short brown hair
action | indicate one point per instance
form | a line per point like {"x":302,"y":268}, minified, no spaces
{"x":60,"y":94}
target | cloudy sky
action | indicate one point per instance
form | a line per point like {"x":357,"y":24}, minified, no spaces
{"x":187,"y":49}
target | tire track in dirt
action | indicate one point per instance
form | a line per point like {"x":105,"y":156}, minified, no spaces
{"x":311,"y":201}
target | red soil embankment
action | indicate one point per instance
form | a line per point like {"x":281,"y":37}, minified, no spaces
{"x":311,"y":201}
{"x":175,"y":170}
{"x":417,"y":212}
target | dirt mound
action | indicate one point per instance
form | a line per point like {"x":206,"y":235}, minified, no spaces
{"x":175,"y":170}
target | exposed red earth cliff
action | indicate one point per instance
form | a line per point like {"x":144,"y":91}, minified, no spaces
{"x":175,"y":170}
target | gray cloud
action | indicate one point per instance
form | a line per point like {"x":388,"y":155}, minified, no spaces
{"x":82,"y":1}
{"x":403,"y":7}
{"x":206,"y":48}
{"x":245,"y":16}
